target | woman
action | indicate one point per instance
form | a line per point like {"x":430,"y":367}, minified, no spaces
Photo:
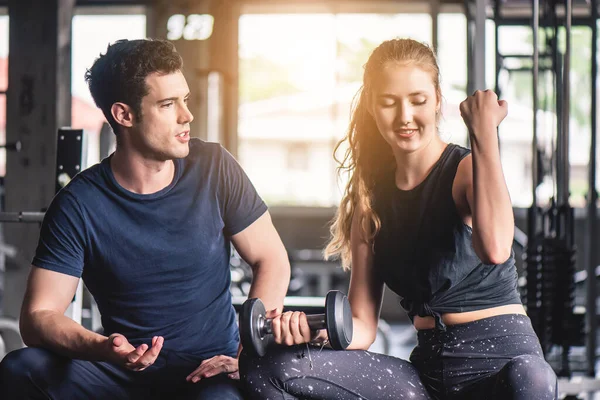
{"x":434,"y":222}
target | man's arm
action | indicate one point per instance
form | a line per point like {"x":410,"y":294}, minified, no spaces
{"x":261,"y":247}
{"x":43,"y":323}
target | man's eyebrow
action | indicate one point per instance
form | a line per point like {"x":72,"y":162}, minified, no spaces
{"x":187,"y":96}
{"x":167,"y":99}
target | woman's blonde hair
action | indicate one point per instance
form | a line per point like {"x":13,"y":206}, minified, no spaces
{"x":369,"y":156}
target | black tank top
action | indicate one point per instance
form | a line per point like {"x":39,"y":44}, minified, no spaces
{"x":424,"y":251}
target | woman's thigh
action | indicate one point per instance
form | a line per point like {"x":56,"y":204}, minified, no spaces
{"x":526,"y":377}
{"x":461,"y":359}
{"x":308,"y":372}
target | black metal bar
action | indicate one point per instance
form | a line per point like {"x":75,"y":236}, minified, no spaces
{"x":102,"y":3}
{"x":526,"y":21}
{"x":558,"y":65}
{"x":564,"y":139}
{"x":14,"y":146}
{"x":527,"y":69}
{"x":536,"y":68}
{"x":434,"y":12}
{"x":548,"y":55}
{"x":471,"y":32}
{"x":22,"y":216}
{"x":592,"y":208}
{"x":499,"y":59}
{"x":469,"y":46}
{"x":565,"y":219}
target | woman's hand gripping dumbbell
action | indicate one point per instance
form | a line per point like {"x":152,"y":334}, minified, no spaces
{"x":256,"y":330}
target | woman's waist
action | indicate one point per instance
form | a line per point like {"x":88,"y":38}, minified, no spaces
{"x":450,"y":319}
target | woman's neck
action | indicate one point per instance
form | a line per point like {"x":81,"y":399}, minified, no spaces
{"x":412,"y":168}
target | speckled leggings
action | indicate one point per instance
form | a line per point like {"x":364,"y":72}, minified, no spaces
{"x":497,"y":358}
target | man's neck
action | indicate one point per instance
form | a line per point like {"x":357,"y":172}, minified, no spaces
{"x":140,"y":175}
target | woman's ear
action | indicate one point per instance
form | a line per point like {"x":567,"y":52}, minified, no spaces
{"x":123,"y":114}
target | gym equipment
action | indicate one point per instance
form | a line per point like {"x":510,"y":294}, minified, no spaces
{"x":21,"y":216}
{"x":13,"y":146}
{"x":10,"y":337}
{"x":256,"y":331}
{"x":70,"y":159}
{"x":71,"y":155}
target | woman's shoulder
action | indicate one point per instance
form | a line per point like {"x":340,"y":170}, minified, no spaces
{"x":459,"y":150}
{"x":463,"y":180}
{"x":464,"y":165}
{"x":454,"y":159}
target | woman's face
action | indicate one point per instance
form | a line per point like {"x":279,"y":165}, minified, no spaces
{"x":404,"y":105}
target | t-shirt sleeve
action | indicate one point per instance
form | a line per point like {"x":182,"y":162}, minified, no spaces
{"x":62,"y":239}
{"x":240,"y":203}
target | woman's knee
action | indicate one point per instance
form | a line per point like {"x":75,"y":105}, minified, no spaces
{"x":263,"y":377}
{"x":268,"y":366}
{"x":531,"y":374}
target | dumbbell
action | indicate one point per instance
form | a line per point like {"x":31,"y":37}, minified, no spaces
{"x":256,"y":332}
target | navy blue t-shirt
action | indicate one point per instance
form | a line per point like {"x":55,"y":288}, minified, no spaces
{"x":156,"y":264}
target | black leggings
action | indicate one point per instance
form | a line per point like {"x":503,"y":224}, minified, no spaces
{"x":497,"y":358}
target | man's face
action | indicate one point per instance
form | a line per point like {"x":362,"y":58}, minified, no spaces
{"x":163,"y":131}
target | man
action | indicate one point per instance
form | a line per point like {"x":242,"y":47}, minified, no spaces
{"x":149,"y":230}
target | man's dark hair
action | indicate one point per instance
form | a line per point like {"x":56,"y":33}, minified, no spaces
{"x":119,"y":75}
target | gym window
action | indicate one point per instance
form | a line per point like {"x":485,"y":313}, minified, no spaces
{"x":90,"y":39}
{"x":298,"y":75}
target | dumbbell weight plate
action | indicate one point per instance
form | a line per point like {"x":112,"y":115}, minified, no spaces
{"x":252,"y":317}
{"x":338,"y":317}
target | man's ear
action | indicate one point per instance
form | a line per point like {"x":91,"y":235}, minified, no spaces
{"x":123,"y":114}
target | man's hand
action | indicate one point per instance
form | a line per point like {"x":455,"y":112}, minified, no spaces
{"x":121,"y":352}
{"x":215,"y":366}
